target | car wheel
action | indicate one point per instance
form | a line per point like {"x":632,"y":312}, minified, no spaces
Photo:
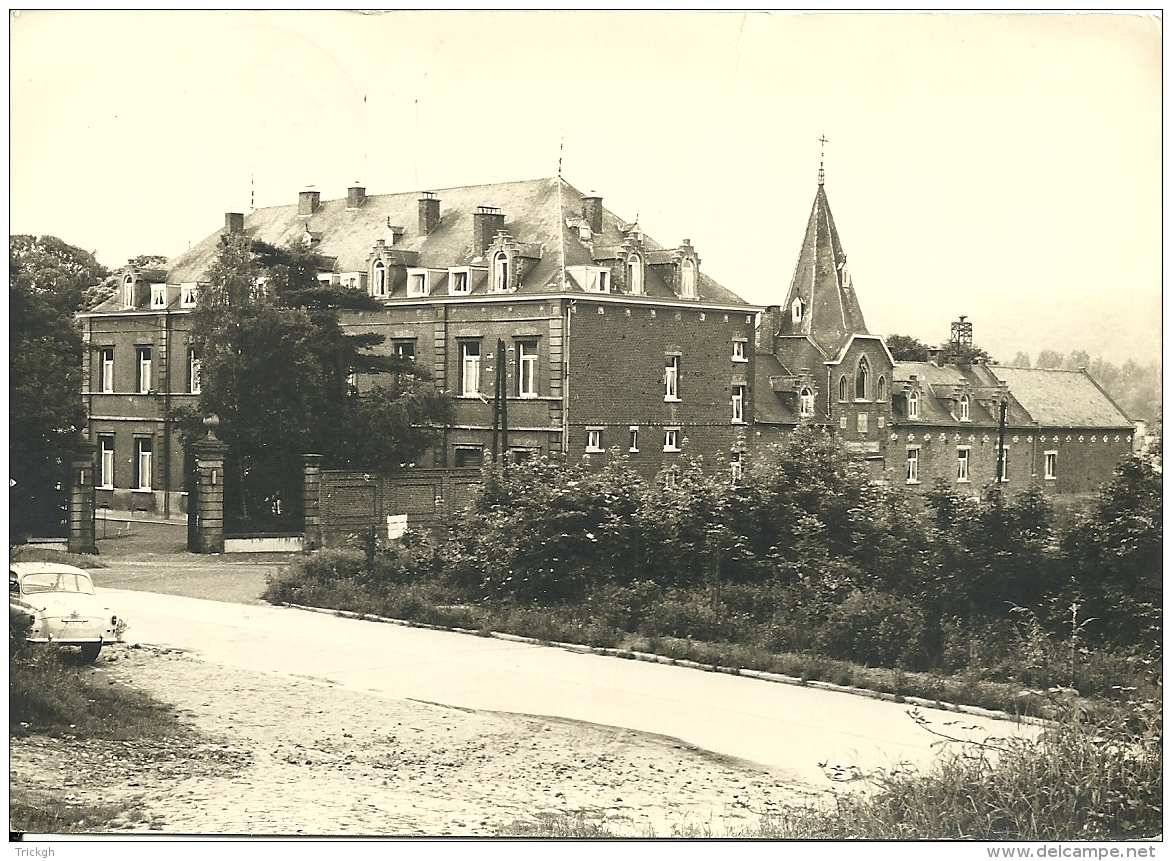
{"x":89,"y":652}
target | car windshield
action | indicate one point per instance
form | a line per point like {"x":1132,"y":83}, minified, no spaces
{"x":62,"y":582}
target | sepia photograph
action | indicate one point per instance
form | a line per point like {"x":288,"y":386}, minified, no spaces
{"x":505,"y":430}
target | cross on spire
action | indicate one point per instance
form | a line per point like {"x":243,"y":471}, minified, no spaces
{"x":822,"y":161}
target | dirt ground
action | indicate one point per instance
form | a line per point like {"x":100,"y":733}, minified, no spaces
{"x":300,"y":757}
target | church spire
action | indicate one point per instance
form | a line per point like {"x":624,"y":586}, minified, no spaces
{"x":822,"y":162}
{"x":821,"y":302}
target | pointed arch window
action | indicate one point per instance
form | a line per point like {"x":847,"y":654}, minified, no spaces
{"x":881,"y":388}
{"x":861,"y":379}
{"x":963,"y":409}
{"x":913,"y":405}
{"x":379,"y":290}
{"x":796,"y":310}
{"x":635,"y":274}
{"x":688,"y":279}
{"x":500,"y":272}
{"x":842,"y":388}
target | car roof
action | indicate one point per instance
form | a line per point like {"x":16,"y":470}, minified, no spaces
{"x":22,"y":568}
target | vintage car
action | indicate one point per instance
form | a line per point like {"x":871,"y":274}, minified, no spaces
{"x":59,"y":604}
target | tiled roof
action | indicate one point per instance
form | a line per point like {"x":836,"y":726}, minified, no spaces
{"x":831,"y":312}
{"x":1062,"y":398}
{"x":535,"y":214}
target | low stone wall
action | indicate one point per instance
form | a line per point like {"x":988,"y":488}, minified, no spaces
{"x":264,"y":544}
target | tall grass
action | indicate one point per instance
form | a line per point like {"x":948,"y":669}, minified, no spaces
{"x":1089,"y":777}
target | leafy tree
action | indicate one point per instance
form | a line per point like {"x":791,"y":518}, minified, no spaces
{"x":1116,"y":554}
{"x":905,"y":348}
{"x":1020,"y":360}
{"x":1050,"y":359}
{"x":49,"y":281}
{"x":275,"y":362}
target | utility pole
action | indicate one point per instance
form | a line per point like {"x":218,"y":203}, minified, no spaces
{"x":1001,"y":442}
{"x":503,"y":389}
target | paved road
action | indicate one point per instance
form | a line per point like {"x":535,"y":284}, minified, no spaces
{"x":786,"y":728}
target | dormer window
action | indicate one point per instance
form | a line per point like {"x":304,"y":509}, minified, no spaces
{"x":459,"y":282}
{"x":188,"y":294}
{"x":796,"y":310}
{"x":601,"y":280}
{"x":805,"y":402}
{"x":861,"y":379}
{"x":688,"y":279}
{"x":379,"y":288}
{"x":500,"y":272}
{"x":962,"y":409}
{"x":635,"y":275}
{"x":158,"y":295}
{"x":128,"y":291}
{"x":417,"y":282}
{"x":913,"y":405}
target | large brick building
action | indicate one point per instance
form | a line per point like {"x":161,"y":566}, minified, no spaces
{"x":914,"y":422}
{"x":612,"y":341}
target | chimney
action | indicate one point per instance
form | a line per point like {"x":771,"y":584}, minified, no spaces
{"x":233,"y":222}
{"x":429,"y":212}
{"x":592,"y":212}
{"x":355,"y":196}
{"x":486,"y":221}
{"x":769,"y":327}
{"x":308,"y":202}
{"x":934,"y":354}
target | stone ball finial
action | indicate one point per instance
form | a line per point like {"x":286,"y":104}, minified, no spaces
{"x":211,"y":422}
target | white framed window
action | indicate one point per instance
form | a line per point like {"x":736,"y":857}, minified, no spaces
{"x":738,"y":405}
{"x":862,"y":422}
{"x":671,"y":439}
{"x":842,"y":389}
{"x":881,"y":389}
{"x":634,"y":438}
{"x":671,"y":378}
{"x":635,"y":274}
{"x":144,"y":370}
{"x":469,"y":368}
{"x":913,"y":405}
{"x":737,"y":467}
{"x":158,"y":295}
{"x":862,"y":379}
{"x":405,"y":350}
{"x":500,"y":272}
{"x":527,"y":369}
{"x":593,"y":440}
{"x":688,"y":279}
{"x":352,"y":382}
{"x":378,"y":285}
{"x":913,"y":464}
{"x":194,"y":372}
{"x":805,"y":402}
{"x":106,"y":370}
{"x":417,"y":282}
{"x":962,"y":408}
{"x":128,"y":292}
{"x":142,"y":463}
{"x":1051,"y":465}
{"x":188,"y":295}
{"x":459,"y":282}
{"x":106,"y":461}
{"x":738,"y":350}
{"x":1005,"y":463}
{"x":796,"y":310}
{"x":962,"y":463}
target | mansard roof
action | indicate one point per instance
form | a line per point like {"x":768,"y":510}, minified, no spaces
{"x":540,"y":215}
{"x":821,"y":280}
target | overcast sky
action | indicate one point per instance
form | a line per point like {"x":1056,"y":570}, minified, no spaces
{"x":1006,"y":167}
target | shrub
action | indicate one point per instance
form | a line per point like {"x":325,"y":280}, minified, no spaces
{"x":875,"y":629}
